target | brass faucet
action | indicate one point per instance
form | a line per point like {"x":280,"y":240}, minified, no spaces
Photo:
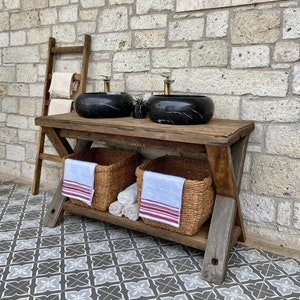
{"x":167,"y":84}
{"x":106,"y":83}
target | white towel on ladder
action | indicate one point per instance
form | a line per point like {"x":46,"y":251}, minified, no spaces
{"x":59,"y":106}
{"x":61,"y":85}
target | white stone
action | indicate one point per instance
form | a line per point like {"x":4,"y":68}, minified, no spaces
{"x":286,"y":52}
{"x":33,"y":4}
{"x":36,"y":90}
{"x":10,"y":167}
{"x":188,"y":5}
{"x":150,"y":39}
{"x":48,"y":16}
{"x":27,"y":107}
{"x":131,"y":61}
{"x":10,"y":105}
{"x":17,"y":121}
{"x":231,"y":82}
{"x":217,"y":24}
{"x":291,"y":23}
{"x":296,"y":79}
{"x":17,"y":38}
{"x":68,"y":13}
{"x":226,"y":107}
{"x":250,"y":56}
{"x":64,"y":33}
{"x":86,"y":27}
{"x":4,"y":39}
{"x":88,"y":15}
{"x":296,"y":216}
{"x":209,"y":53}
{"x":27,"y":136}
{"x":15,"y":152}
{"x":2,"y":148}
{"x":99,"y":69}
{"x":92,"y":3}
{"x":277,"y":110}
{"x":186,"y":30}
{"x":58,"y":2}
{"x":283,"y":140}
{"x":18,"y":89}
{"x":255,"y":26}
{"x":258,"y":208}
{"x":148,"y":21}
{"x":275,"y":175}
{"x":38,"y":35}
{"x":4,"y":21}
{"x":170,"y":58}
{"x":143,"y":7}
{"x":288,"y":238}
{"x":68,"y":65}
{"x":114,"y":2}
{"x":8,"y":135}
{"x":284,"y":214}
{"x":145,"y":82}
{"x":12,"y":4}
{"x":26,"y":73}
{"x":24,"y":19}
{"x":7,"y":74}
{"x":111,"y":41}
{"x":113,"y":19}
{"x":30,"y":54}
{"x":258,"y":134}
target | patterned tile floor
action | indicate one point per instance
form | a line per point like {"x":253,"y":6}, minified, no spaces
{"x":87,"y":259}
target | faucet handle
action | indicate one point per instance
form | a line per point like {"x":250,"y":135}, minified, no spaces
{"x":105,"y":77}
{"x":167,"y":78}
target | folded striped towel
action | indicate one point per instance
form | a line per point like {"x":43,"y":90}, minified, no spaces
{"x":161,"y":198}
{"x":78,"y":180}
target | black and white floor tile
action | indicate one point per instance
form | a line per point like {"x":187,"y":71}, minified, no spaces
{"x":83,"y":259}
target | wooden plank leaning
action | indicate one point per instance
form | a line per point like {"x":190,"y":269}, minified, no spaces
{"x":219,"y":240}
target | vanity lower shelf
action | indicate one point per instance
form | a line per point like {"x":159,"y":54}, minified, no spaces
{"x":197,"y":241}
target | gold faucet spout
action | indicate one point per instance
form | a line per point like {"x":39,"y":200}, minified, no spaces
{"x":167,"y":85}
{"x":106,"y":83}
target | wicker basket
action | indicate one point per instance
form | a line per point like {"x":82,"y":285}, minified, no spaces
{"x":115,"y":171}
{"x":198,"y":191}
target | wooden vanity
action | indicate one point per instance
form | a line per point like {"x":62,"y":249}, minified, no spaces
{"x":224,"y":142}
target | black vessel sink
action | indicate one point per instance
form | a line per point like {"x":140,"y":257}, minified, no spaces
{"x":104,"y":105}
{"x":180,"y":109}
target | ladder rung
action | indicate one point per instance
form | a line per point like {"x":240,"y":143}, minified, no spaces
{"x":50,"y":157}
{"x":71,"y":49}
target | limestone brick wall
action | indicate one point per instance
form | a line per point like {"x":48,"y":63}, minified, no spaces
{"x":244,"y":56}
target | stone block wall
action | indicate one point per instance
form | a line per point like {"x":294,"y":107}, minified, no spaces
{"x":244,"y":56}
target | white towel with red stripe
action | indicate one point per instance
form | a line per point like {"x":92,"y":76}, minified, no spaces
{"x":161,"y":198}
{"x":78,"y":180}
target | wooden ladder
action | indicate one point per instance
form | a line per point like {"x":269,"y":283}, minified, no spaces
{"x":54,"y":52}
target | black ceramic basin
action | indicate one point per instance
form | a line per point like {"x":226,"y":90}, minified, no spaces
{"x":180,"y":109}
{"x":104,"y":105}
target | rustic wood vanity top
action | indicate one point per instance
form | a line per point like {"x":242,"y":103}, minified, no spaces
{"x":216,"y":132}
{"x":225,"y":143}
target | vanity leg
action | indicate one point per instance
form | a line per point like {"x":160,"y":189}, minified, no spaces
{"x":54,"y":213}
{"x":219,"y":240}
